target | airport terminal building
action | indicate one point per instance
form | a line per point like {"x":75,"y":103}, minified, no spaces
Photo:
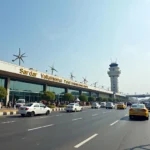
{"x":28,"y":83}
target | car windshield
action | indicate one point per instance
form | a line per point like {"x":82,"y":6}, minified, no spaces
{"x":71,"y":104}
{"x":20,"y":101}
{"x":28,"y":104}
{"x":137,"y":106}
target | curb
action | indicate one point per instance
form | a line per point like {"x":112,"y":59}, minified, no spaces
{"x":6,"y":113}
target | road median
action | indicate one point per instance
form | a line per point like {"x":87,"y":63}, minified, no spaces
{"x":8,"y":112}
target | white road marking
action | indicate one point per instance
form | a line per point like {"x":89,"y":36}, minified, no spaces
{"x":40,"y":127}
{"x":114,"y":123}
{"x":84,"y":111}
{"x":76,"y":119}
{"x":85,"y":141}
{"x":126,"y":115}
{"x":43,"y":117}
{"x":58,"y":115}
{"x":94,"y":115}
{"x":8,"y":122}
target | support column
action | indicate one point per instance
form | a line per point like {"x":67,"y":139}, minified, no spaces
{"x":66,"y":90}
{"x":90,"y":93}
{"x":98,"y":94}
{"x":45,"y":87}
{"x":80,"y":92}
{"x":8,"y":90}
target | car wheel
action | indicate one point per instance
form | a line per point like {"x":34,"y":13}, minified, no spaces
{"x":147,"y":118}
{"x":81,"y":109}
{"x":23,"y":115}
{"x":47,"y":113}
{"x":32,"y":114}
{"x":67,"y":111}
{"x":130,"y":117}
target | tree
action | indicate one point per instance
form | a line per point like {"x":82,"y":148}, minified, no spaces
{"x":110,"y":99}
{"x":68,"y":97}
{"x":83,"y":98}
{"x":3,"y":92}
{"x":105,"y":99}
{"x":91,"y":98}
{"x":99,"y":99}
{"x":48,"y":96}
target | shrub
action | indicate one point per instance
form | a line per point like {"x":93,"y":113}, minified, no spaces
{"x":91,"y":99}
{"x":52,"y":106}
{"x":48,"y":96}
{"x":3,"y":92}
{"x":68,"y":97}
{"x":63,"y":105}
{"x":83,"y":98}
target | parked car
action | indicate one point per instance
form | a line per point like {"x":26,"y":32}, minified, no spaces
{"x":32,"y":109}
{"x":95,"y":105}
{"x":73,"y":107}
{"x":110,"y":105}
{"x":103,"y":104}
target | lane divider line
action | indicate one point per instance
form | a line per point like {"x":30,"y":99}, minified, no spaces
{"x":84,"y":111}
{"x":94,"y":115}
{"x":58,"y":115}
{"x":8,"y":122}
{"x":40,"y":127}
{"x":85,"y":141}
{"x":114,"y":123}
{"x":76,"y":119}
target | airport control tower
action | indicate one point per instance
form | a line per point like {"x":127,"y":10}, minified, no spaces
{"x":114,"y":72}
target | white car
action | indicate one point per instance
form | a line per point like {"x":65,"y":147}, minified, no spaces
{"x":20,"y":102}
{"x":74,"y":107}
{"x":95,"y":105}
{"x":110,"y":105}
{"x":32,"y":109}
{"x":103,"y":104}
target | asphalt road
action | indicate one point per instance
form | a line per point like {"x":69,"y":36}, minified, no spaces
{"x":92,"y":129}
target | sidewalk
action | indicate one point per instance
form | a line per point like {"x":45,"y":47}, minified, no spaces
{"x":11,"y":111}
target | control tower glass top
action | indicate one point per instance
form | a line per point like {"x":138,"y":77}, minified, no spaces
{"x":113,"y":65}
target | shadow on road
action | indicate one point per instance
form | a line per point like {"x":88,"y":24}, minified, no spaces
{"x":126,"y":118}
{"x":141,"y":147}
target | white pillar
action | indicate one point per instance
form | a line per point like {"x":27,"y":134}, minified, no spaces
{"x":8,"y":90}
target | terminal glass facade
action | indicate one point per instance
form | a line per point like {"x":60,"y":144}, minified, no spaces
{"x":93,"y":94}
{"x":74,"y":92}
{"x":86,"y":93}
{"x":2,"y":82}
{"x":56,"y":90}
{"x":59,"y":92}
{"x":24,"y":90}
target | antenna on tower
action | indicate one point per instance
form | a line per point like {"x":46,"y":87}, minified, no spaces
{"x":111,"y":60}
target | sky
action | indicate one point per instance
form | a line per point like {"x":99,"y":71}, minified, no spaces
{"x":80,"y":36}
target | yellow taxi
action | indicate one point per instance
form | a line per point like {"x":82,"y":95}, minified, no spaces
{"x":121,"y":106}
{"x":138,"y":110}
